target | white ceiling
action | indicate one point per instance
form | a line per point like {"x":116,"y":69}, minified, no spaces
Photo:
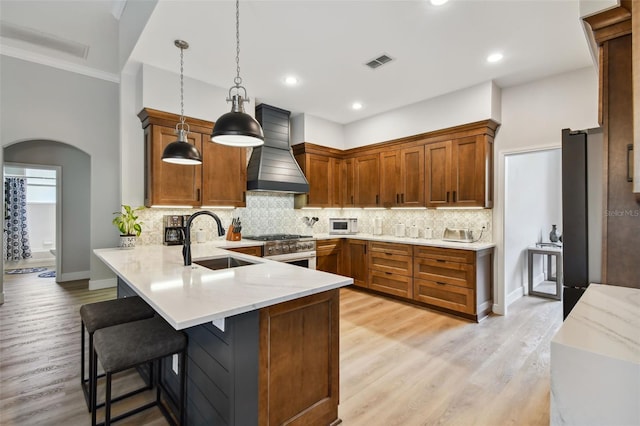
{"x":326,"y":43}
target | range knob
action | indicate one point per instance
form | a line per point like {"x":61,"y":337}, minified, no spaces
{"x":285,"y":248}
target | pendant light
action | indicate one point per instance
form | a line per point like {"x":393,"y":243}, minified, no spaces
{"x":181,"y":151}
{"x":237,"y":128}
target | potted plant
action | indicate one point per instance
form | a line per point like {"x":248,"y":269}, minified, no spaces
{"x":127,"y":223}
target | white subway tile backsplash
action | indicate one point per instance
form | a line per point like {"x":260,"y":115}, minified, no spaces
{"x":272,"y":212}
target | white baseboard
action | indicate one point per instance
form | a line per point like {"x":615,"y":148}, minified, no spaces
{"x":497,"y":309}
{"x":73,"y":276}
{"x":100,"y":284}
{"x":515,"y":295}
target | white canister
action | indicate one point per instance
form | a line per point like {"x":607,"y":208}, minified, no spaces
{"x":399,"y":230}
{"x":201,"y":236}
{"x":428,"y":233}
{"x":413,"y":231}
{"x":377,"y":226}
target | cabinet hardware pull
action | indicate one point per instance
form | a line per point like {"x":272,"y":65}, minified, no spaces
{"x":377,"y":198}
{"x":402,"y":198}
{"x":439,"y":283}
{"x":388,"y":254}
{"x":440,"y":260}
{"x":352,"y":199}
{"x":388,"y":273}
{"x":397,"y":198}
{"x":454,"y":196}
{"x":447,"y":196}
{"x":630,"y":163}
{"x":198,"y":194}
{"x":365,"y":249}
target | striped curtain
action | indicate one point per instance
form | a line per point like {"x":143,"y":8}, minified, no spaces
{"x":15,"y":224}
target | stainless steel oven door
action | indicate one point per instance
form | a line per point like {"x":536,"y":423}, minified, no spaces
{"x":304,"y":259}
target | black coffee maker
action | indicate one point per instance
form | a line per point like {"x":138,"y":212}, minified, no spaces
{"x":173,"y":230}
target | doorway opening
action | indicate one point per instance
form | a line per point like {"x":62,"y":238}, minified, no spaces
{"x":34,"y":209}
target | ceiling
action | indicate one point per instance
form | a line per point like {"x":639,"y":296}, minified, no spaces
{"x":326,"y":43}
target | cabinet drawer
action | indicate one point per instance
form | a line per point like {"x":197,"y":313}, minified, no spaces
{"x":437,"y":270}
{"x":253,"y":250}
{"x":391,"y":248}
{"x":447,"y":296}
{"x":451,"y":255}
{"x":393,"y":263}
{"x":328,"y":245}
{"x":390,"y":283}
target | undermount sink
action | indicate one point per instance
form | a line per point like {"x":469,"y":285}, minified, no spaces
{"x":223,"y":263}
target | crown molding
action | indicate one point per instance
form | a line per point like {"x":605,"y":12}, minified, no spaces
{"x":41,"y":59}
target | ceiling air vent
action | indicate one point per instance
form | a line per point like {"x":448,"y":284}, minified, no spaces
{"x":39,"y":38}
{"x":378,"y":62}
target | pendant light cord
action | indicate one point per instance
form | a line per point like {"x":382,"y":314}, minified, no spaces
{"x":238,"y":79}
{"x":182,"y":88}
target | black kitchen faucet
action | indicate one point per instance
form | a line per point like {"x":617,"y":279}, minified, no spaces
{"x":186,"y":247}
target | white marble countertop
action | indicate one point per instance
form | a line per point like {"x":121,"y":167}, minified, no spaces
{"x":407,"y":240}
{"x":186,"y":296}
{"x":605,"y":321}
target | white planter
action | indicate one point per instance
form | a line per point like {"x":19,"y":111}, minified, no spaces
{"x":127,"y":241}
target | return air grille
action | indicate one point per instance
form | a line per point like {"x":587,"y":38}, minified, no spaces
{"x":378,"y":62}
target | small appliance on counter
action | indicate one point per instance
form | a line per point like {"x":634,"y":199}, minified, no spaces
{"x":458,"y":235}
{"x":173,"y":230}
{"x":428,"y":233}
{"x":399,"y":230}
{"x":344,"y":226}
{"x":377,"y":226}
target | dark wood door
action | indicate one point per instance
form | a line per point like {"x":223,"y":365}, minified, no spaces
{"x":224,"y":175}
{"x":367,"y":181}
{"x":319,"y":172}
{"x":356,"y":263}
{"x":390,"y":178}
{"x":438,"y":173}
{"x":329,"y":255}
{"x":348,"y":182}
{"x":166,"y":183}
{"x":412,"y":176}
{"x":467,"y":172}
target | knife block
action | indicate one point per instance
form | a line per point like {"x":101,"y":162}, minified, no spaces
{"x":233,"y":236}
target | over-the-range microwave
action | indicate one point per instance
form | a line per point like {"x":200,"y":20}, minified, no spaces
{"x":341,"y":225}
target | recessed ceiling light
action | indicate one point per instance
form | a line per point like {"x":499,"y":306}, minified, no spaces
{"x":495,"y":57}
{"x":438,"y":2}
{"x":356,"y":105}
{"x":291,"y":80}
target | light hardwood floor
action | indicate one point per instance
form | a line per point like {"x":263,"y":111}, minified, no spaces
{"x":400,"y":365}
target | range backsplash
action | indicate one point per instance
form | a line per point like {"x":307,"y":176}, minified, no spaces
{"x":272,"y":212}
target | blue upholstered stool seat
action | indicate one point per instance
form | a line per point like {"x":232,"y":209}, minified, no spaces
{"x":108,"y":313}
{"x":129,"y":345}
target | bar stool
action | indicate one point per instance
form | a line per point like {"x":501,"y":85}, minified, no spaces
{"x":99,"y":315}
{"x":130,"y":345}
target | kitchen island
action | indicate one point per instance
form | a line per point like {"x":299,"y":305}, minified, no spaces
{"x":263,"y":338}
{"x":595,"y":360}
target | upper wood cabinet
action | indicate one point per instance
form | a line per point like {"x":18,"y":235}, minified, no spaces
{"x":166,"y":183}
{"x":402,"y":177}
{"x":459,"y":172}
{"x":219,"y":181}
{"x":449,"y":167}
{"x":366,"y":171}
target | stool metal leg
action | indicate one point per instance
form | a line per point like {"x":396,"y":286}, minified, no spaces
{"x":83,"y":382}
{"x":94,"y":387}
{"x":107,"y":401}
{"x":183,"y":387}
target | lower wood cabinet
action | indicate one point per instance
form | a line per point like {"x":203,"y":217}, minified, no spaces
{"x":390,"y":268}
{"x":456,"y":281}
{"x":329,"y":255}
{"x":251,"y":250}
{"x":355,"y":261}
{"x":299,"y":361}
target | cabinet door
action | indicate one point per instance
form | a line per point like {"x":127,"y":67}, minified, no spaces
{"x":348,"y":182}
{"x":438,"y":173}
{"x":224,"y":175}
{"x":467,"y":172}
{"x":367,"y":180}
{"x":165,"y":183}
{"x":329,"y":255}
{"x":319,"y":173}
{"x":337,"y":184}
{"x":251,"y":250}
{"x":356,"y":263}
{"x":412,"y":177}
{"x":390,"y":178}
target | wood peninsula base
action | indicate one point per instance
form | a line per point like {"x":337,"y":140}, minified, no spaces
{"x":271,"y":366}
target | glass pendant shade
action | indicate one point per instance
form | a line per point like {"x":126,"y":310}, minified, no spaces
{"x":181,"y":151}
{"x":237,"y":128}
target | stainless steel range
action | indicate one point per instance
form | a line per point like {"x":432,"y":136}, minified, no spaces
{"x":290,"y":248}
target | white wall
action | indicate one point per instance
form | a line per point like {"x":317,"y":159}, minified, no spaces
{"x":318,"y":131}
{"x":533,"y":202}
{"x":44,"y":103}
{"x":533,"y":116}
{"x":463,"y":106}
{"x":41,"y":220}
